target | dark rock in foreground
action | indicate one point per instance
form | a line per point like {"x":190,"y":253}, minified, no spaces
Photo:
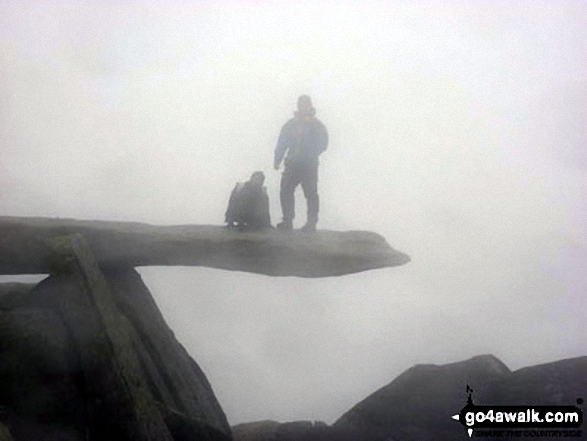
{"x":86,"y":355}
{"x":25,"y":247}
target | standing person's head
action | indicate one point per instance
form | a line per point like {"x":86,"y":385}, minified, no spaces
{"x":305,"y":107}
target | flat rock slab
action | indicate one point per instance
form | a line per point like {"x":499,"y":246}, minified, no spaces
{"x":26,"y":247}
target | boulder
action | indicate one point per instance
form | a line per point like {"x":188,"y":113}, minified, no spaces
{"x":40,"y":385}
{"x":418,"y":404}
{"x":87,"y":355}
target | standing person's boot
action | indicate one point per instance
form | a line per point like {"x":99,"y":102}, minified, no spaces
{"x":310,"y":227}
{"x":285,"y":225}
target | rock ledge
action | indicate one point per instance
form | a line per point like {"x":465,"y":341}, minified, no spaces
{"x":26,"y":247}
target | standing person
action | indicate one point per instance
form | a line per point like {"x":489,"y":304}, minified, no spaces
{"x":303,"y":138}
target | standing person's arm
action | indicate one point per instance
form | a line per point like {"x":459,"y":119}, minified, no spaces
{"x":323,"y":138}
{"x":283,"y":143}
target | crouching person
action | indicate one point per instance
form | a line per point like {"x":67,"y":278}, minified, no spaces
{"x":248,"y":207}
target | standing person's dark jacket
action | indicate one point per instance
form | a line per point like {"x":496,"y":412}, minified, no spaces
{"x":304,"y":138}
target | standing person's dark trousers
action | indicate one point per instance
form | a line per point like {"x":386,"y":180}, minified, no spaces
{"x":301,"y":141}
{"x":307,"y":176}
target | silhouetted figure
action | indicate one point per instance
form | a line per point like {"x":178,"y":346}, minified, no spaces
{"x":303,"y":138}
{"x":248,"y":206}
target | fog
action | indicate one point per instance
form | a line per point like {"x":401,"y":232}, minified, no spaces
{"x":457,"y":131}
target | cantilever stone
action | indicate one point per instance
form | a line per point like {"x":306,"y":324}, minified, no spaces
{"x":25,"y":247}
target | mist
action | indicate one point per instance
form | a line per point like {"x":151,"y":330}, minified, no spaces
{"x":457,"y":131}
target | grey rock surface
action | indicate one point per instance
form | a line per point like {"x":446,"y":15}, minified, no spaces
{"x":176,"y":381}
{"x":300,"y":431}
{"x":14,"y":293}
{"x":39,"y":382}
{"x":5,"y":433}
{"x":419,"y":403}
{"x":255,"y":431}
{"x":25,"y":247}
{"x":558,"y":383}
{"x":87,"y":355}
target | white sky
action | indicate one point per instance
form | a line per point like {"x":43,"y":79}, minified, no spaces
{"x":458,"y":131}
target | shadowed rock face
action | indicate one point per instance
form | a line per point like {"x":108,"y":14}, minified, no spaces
{"x":5,"y":433}
{"x":25,"y":247}
{"x":300,"y":431}
{"x":417,"y":405}
{"x":14,"y":294}
{"x":86,"y":355}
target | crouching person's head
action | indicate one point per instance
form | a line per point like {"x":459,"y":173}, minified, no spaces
{"x":257,"y":179}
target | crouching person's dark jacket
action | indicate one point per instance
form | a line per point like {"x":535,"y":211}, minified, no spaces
{"x":248,"y":207}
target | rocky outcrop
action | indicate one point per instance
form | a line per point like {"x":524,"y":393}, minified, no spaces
{"x":86,"y":355}
{"x":255,"y":431}
{"x":299,"y":431}
{"x":25,"y":247}
{"x":557,"y":383}
{"x":417,"y":405}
